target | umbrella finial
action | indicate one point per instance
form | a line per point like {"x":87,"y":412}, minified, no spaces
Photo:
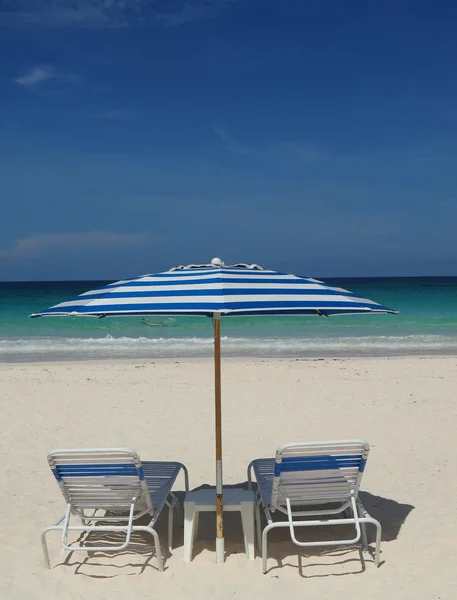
{"x":217,"y":262}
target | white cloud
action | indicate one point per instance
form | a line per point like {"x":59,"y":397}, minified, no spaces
{"x":235,"y":145}
{"x":62,"y":13}
{"x":109,"y":13}
{"x":300,"y":151}
{"x":196,"y":10}
{"x":36,"y":75}
{"x":117,"y":114}
{"x":36,"y":246}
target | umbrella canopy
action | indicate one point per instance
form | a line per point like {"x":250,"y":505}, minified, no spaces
{"x":216,"y":290}
{"x":208,"y":289}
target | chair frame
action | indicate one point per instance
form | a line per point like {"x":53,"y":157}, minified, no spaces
{"x":275,"y":495}
{"x":108,"y":468}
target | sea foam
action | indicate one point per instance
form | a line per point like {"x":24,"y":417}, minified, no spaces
{"x":71,"y":348}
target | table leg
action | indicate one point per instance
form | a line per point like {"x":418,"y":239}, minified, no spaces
{"x":189,"y":529}
{"x":247,"y":520}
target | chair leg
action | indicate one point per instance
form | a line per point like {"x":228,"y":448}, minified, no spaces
{"x":264,"y":550}
{"x":179,"y":509}
{"x":155,"y":535}
{"x":258,"y":526}
{"x":378,"y":542}
{"x":377,"y":524}
{"x":363,"y":529}
{"x":55,"y":527}
{"x":44,"y":545}
{"x":171,"y":509}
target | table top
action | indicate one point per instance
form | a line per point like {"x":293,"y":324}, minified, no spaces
{"x":231,"y":496}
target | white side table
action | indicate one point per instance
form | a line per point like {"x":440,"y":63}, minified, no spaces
{"x":205,"y":500}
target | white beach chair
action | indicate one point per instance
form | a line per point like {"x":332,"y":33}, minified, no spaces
{"x":316,"y":479}
{"x":113,"y":480}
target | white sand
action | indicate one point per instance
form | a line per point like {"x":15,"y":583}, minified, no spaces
{"x":405,"y":408}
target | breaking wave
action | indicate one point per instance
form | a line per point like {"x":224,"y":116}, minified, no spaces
{"x":77,"y":348}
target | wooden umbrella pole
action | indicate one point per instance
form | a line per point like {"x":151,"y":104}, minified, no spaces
{"x":220,"y":554}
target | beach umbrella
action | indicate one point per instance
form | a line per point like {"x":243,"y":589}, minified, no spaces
{"x":216,"y":290}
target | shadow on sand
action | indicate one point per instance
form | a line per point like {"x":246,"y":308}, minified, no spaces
{"x":342,"y":560}
{"x":310,"y":562}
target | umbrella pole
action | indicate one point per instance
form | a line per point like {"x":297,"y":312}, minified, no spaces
{"x":220,"y":555}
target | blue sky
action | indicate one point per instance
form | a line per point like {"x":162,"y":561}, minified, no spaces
{"x":313,"y":137}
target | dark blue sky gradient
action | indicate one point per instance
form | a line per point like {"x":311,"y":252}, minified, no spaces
{"x":313,"y":137}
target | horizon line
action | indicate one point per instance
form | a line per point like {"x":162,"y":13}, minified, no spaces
{"x":110,"y":280}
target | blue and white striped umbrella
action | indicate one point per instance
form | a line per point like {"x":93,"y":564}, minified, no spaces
{"x":215,"y":290}
{"x":209,"y":289}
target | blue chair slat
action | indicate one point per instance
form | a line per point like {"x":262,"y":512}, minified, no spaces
{"x":97,"y":470}
{"x":319,"y":463}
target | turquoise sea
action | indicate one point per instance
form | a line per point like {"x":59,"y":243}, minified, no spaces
{"x":427,"y":324}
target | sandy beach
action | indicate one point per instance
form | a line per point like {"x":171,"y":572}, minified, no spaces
{"x":404,"y":407}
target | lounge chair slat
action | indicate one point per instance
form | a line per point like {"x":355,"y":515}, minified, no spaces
{"x":313,"y":478}
{"x":113,"y":479}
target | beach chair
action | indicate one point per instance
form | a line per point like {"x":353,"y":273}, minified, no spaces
{"x":316,"y":479}
{"x":115,"y":481}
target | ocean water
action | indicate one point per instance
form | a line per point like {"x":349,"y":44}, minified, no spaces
{"x":427,"y":324}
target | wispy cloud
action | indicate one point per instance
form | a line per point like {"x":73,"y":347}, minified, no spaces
{"x":450,"y":116}
{"x":61,"y":13}
{"x":307,"y":152}
{"x":110,"y":13}
{"x":234,"y":145}
{"x":379,"y":229}
{"x":301,"y":150}
{"x":196,"y":10}
{"x":448,"y":204}
{"x":36,"y":246}
{"x":35,"y":76}
{"x":116,"y":114}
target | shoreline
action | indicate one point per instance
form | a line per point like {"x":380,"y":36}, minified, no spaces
{"x":166,"y":360}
